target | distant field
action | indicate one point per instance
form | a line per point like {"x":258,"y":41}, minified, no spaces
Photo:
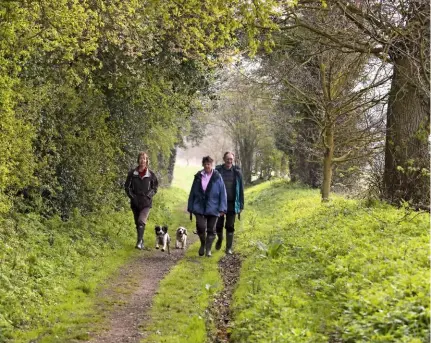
{"x":183,"y":176}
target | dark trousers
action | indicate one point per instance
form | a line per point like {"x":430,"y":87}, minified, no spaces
{"x":206,"y":224}
{"x":227,"y":221}
{"x":140,"y":216}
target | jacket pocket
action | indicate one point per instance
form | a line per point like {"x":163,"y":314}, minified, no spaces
{"x":143,"y":201}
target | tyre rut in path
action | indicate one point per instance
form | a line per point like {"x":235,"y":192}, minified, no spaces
{"x":131,"y":295}
{"x":220,"y":310}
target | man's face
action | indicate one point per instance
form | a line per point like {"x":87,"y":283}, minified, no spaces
{"x":207,"y":167}
{"x":228,"y":161}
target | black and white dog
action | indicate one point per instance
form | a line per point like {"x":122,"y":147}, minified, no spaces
{"x":162,"y":238}
{"x":181,"y":238}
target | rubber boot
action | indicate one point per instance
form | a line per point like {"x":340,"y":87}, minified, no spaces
{"x":202,"y":247}
{"x":229,"y":242}
{"x":208,"y":244}
{"x":140,"y":241}
{"x":219,"y":240}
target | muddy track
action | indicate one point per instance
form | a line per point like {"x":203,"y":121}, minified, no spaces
{"x":126,"y":299}
{"x":220,"y":310}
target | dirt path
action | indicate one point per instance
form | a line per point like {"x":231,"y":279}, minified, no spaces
{"x":127,"y":298}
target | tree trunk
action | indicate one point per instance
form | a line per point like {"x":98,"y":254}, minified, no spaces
{"x":303,"y":164}
{"x":245,"y":152}
{"x":327,"y":162}
{"x":171,"y":165}
{"x":406,"y":154}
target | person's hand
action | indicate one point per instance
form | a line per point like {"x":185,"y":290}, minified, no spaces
{"x":221,"y":214}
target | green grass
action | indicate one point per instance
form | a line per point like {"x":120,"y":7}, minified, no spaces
{"x":179,"y":313}
{"x":50,"y":270}
{"x":183,"y":176}
{"x":344,"y":271}
{"x":341,"y":271}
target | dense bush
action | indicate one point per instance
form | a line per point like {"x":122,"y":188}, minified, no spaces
{"x":340,"y":272}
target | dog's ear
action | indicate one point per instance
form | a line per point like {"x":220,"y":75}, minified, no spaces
{"x":185,"y":231}
{"x":157,"y":228}
{"x":165,"y":228}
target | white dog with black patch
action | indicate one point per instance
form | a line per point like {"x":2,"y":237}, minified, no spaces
{"x":162,"y":238}
{"x":181,"y":238}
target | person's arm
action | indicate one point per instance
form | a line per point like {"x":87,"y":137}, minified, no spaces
{"x":155,"y":184}
{"x":222,"y":196}
{"x":241,"y":191}
{"x":191,"y":198}
{"x":128,"y":185}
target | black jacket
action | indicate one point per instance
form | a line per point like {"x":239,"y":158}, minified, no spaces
{"x":141,"y":190}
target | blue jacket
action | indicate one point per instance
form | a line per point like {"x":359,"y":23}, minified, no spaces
{"x":212,"y":201}
{"x":239,"y":188}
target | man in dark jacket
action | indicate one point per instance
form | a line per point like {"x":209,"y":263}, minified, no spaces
{"x":207,"y":201}
{"x":232,"y":178}
{"x":140,"y":186}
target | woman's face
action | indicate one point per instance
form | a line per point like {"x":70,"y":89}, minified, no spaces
{"x":142,"y":161}
{"x":207,"y":167}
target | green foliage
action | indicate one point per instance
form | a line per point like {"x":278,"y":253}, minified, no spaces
{"x":50,"y":268}
{"x":85,"y":86}
{"x":339,"y":271}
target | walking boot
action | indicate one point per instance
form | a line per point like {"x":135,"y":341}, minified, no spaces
{"x":219,"y":240}
{"x":229,"y":242}
{"x":208,"y":244}
{"x":202,"y":247}
{"x":140,"y":242}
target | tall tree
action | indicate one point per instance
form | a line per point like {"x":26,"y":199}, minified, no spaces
{"x":245,"y":112}
{"x":397,"y":32}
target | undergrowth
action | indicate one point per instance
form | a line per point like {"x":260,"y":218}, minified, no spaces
{"x":342,"y":271}
{"x":50,"y":269}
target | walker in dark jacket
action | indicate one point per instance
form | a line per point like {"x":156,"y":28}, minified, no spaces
{"x":238,"y":186}
{"x":140,"y":190}
{"x":207,"y":206}
{"x":235,"y":204}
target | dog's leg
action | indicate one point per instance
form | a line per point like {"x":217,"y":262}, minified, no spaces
{"x":177,"y":244}
{"x":164,"y":242}
{"x":157,"y":242}
{"x":184,"y":243}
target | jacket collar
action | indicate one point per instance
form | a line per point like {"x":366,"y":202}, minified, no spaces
{"x":147,"y":174}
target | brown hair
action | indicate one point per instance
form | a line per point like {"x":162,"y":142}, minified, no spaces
{"x":143,"y":153}
{"x":207,"y":159}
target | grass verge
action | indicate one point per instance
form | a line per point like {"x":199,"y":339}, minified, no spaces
{"x":342,"y":271}
{"x":179,"y":312}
